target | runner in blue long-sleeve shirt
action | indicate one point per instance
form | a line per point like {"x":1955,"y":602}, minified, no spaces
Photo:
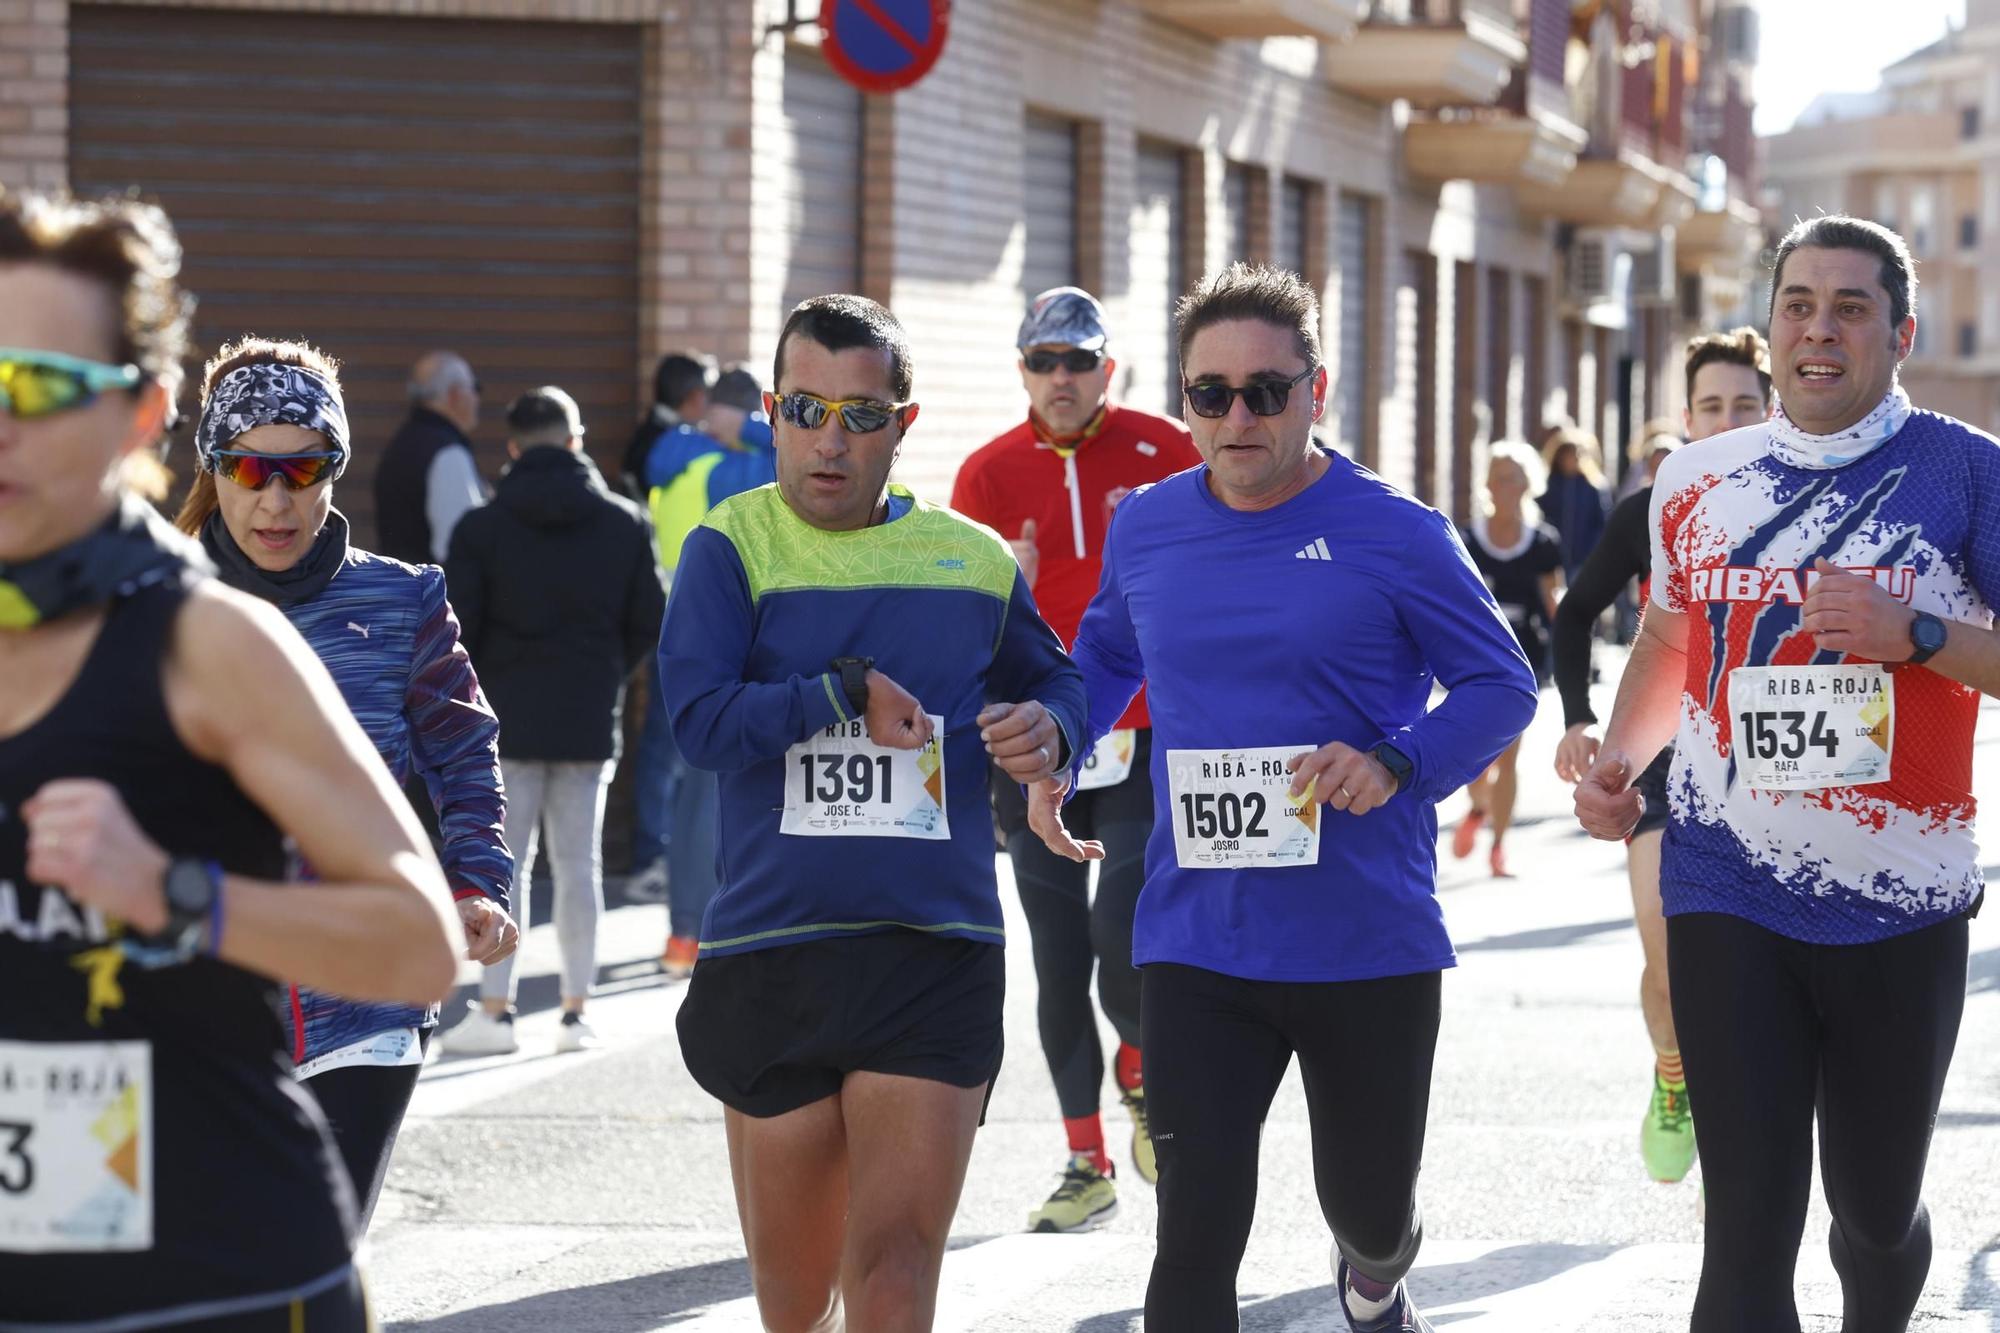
{"x":1289,"y":613}
{"x":852,"y":661}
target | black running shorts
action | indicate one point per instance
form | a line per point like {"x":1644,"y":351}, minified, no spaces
{"x":772,"y":1030}
{"x":1652,"y":784}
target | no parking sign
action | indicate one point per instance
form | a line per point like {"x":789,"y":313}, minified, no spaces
{"x":880,"y":46}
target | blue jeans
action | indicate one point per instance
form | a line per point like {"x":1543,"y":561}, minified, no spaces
{"x":656,"y":773}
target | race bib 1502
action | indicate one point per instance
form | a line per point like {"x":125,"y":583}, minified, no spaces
{"x":840,"y":784}
{"x":76,"y":1146}
{"x":1798,"y":727}
{"x":1233,"y":808}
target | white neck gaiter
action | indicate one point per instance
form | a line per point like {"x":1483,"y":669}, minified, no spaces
{"x":1799,"y":448}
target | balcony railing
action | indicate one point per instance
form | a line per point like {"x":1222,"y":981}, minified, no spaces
{"x":1326,"y":20}
{"x":1430,"y":53}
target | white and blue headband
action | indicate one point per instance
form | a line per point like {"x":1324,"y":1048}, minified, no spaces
{"x":271,"y":394}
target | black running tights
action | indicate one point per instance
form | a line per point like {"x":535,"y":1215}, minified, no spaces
{"x":1071,"y":932}
{"x":1219,"y":1047}
{"x":1773,"y":1030}
{"x":364,"y":1105}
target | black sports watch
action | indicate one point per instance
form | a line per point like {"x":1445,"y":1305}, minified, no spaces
{"x":853,"y":673}
{"x":1928,"y":633}
{"x":1398,"y":763}
{"x":191,"y":888}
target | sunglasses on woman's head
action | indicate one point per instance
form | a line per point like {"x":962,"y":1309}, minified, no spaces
{"x":1265,"y":398}
{"x":858,"y":416}
{"x":40,"y":384}
{"x":1077,"y":361}
{"x":252,"y":470}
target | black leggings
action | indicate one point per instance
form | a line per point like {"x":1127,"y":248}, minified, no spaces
{"x":1771,"y":1030}
{"x":364,"y":1104}
{"x":1220,"y":1047}
{"x":1070,"y":931}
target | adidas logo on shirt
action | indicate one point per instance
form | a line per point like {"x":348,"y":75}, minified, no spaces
{"x":1316,"y":551}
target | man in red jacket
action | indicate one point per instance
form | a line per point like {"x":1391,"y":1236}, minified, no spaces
{"x":1049,"y":486}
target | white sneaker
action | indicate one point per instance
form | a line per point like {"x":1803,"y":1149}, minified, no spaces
{"x":573,"y":1034}
{"x":481,"y":1034}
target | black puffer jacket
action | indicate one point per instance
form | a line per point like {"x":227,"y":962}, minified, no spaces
{"x":559,"y":598}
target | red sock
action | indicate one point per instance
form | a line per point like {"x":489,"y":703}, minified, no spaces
{"x":1129,"y":1069}
{"x":1086,"y":1138}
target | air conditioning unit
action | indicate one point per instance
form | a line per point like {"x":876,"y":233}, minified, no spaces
{"x":1736,"y":34}
{"x":1597,"y":276}
{"x":1653,"y":271}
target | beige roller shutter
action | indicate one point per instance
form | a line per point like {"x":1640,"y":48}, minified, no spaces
{"x":822,"y":191}
{"x":1048,"y":198}
{"x":1158,"y":277}
{"x":382,"y":186}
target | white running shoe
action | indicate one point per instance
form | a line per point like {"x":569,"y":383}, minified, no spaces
{"x":575,"y":1035}
{"x":481,"y":1034}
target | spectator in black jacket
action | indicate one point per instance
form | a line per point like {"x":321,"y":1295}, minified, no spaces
{"x":559,"y":598}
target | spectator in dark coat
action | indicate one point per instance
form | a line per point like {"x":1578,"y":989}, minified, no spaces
{"x":559,"y":598}
{"x":1575,"y":504}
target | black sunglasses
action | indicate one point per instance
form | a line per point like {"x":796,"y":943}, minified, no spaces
{"x":1077,"y":361}
{"x":1266,"y":398}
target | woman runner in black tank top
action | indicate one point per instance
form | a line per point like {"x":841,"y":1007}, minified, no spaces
{"x":158,"y":1168}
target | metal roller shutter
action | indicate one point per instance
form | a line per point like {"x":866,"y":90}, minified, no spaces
{"x":1294,"y":212}
{"x":1351,"y":385}
{"x":382,"y":186}
{"x":1158,"y":276}
{"x":1236,"y":210}
{"x":1048,"y":178}
{"x":822,"y":190}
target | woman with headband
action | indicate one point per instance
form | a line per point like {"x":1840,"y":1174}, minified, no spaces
{"x":161,"y":737}
{"x":271,"y":442}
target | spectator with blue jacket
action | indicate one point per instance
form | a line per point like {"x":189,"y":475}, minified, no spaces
{"x":689,"y":472}
{"x":274,"y":427}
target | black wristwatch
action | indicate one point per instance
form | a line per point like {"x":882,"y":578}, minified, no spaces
{"x":1928,"y":633}
{"x":191,"y":888}
{"x":1398,"y":763}
{"x":853,"y":673}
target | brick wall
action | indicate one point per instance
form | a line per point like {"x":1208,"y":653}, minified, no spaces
{"x":942,"y":171}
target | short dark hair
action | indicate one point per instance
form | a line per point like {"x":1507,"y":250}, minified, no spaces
{"x":737,"y":387}
{"x":1275,"y":296}
{"x":1739,"y":347}
{"x":681,"y":374}
{"x":842,"y":320}
{"x":1837,"y":231}
{"x":126,"y":245}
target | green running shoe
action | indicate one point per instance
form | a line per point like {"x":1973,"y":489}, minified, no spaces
{"x":1144,"y":1161}
{"x":1666,"y":1139}
{"x":1086,"y":1199}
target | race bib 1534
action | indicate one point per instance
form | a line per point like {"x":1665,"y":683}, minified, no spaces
{"x":1798,"y":727}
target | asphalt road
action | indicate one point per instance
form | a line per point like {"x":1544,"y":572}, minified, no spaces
{"x":590,"y":1193}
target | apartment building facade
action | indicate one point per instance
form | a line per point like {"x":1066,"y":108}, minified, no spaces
{"x":1921,"y":154}
{"x":1514,"y":209}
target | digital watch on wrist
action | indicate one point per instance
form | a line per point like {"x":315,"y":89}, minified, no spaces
{"x":853,"y":672}
{"x":1398,"y":763}
{"x":191,"y":888}
{"x":1927,"y":635}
